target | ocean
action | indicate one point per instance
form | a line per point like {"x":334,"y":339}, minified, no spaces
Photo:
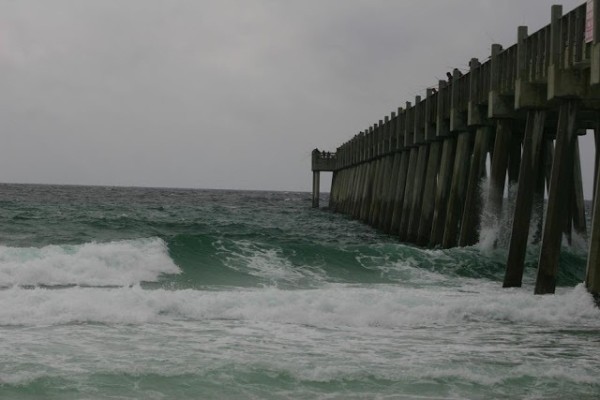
{"x":147,"y":293}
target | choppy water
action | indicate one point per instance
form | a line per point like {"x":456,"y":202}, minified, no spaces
{"x":128,"y":293}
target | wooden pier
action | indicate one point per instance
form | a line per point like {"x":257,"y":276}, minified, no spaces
{"x":514,"y":118}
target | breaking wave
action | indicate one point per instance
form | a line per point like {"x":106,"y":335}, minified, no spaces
{"x":118,"y":263}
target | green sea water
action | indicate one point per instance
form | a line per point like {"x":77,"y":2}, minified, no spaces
{"x":142,"y":293}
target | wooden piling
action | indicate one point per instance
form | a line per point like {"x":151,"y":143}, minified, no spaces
{"x":578,"y":202}
{"x":597,"y":159}
{"x":514,"y":161}
{"x":458,"y":189}
{"x":542,"y":183}
{"x":375,"y":192}
{"x":360,"y":189}
{"x":472,"y":205}
{"x":366,"y":192}
{"x":417,"y":200}
{"x":316,"y":187}
{"x":408,"y":194}
{"x":443,"y":191}
{"x":557,"y":199}
{"x":592,"y":279}
{"x":499,"y":166}
{"x":522,"y":214}
{"x":400,"y":192}
{"x":388,"y":208}
{"x":428,"y":208}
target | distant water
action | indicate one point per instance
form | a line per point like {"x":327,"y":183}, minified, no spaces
{"x":130,"y":293}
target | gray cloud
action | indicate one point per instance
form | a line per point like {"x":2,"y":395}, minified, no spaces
{"x":221,"y":94}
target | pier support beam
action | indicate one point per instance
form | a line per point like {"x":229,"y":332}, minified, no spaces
{"x":579,"y":223}
{"x":428,"y":208}
{"x":358,"y":191}
{"x":499,"y":167}
{"x":541,"y":185}
{"x":458,"y":189}
{"x":408,"y":194}
{"x":532,"y":142}
{"x":316,"y":188}
{"x":417,"y":201}
{"x":335,"y":188}
{"x":443,"y":191}
{"x":388,"y":207}
{"x":514,"y":162}
{"x":400,"y":193}
{"x":472,"y":208}
{"x":376,"y":193}
{"x":592,"y":279}
{"x":597,"y":161}
{"x":367,"y":190}
{"x":558,"y":199}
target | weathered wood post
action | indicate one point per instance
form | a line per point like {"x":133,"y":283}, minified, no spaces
{"x":592,"y":279}
{"x":499,"y":166}
{"x":394,"y":164}
{"x":446,"y":163}
{"x":472,"y":214}
{"x":477,"y":118}
{"x":541,"y":185}
{"x":532,"y":142}
{"x":385,"y":174}
{"x":368,"y":180}
{"x":464,"y":148}
{"x":362,"y":165}
{"x":377,"y":175}
{"x":458,"y":189}
{"x":433,"y":165}
{"x":316,"y":186}
{"x":577,"y":200}
{"x":412,"y":167}
{"x":419,"y":182}
{"x":394,"y":225}
{"x":558,"y":199}
{"x":316,"y":154}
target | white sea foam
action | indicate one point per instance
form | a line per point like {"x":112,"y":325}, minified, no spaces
{"x":124,"y":262}
{"x":482,"y":343}
{"x":268,"y":264}
{"x":335,"y":305}
{"x":493,"y":231}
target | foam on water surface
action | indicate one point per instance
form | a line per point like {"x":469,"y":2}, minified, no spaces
{"x":330,"y":306}
{"x":152,"y":293}
{"x":114,"y":263}
{"x":353,"y":341}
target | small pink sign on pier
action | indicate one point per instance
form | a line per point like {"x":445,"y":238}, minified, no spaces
{"x":589,"y":21}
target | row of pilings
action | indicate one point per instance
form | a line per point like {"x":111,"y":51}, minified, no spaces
{"x":514,"y":120}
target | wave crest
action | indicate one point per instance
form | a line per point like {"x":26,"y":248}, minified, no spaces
{"x":118,"y":263}
{"x":384,"y":306}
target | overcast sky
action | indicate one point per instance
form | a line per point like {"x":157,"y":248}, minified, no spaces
{"x":223,"y":94}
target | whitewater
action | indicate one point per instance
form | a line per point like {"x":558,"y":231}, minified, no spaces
{"x":147,"y":293}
